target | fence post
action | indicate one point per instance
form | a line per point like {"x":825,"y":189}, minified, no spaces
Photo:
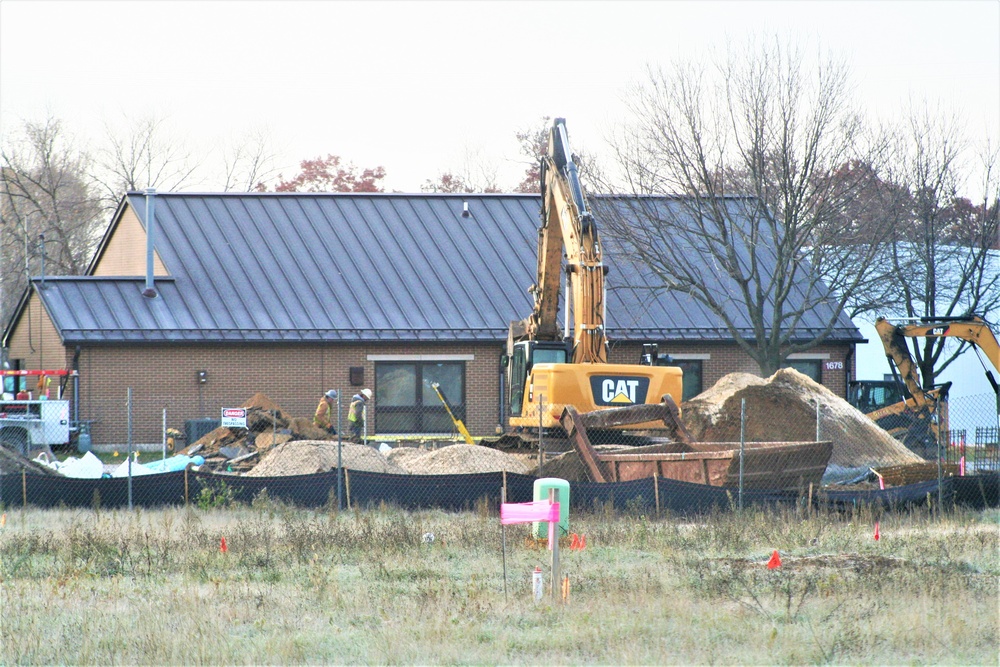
{"x":340,"y":460}
{"x":743,"y":437}
{"x":164,"y":434}
{"x":186,"y":468}
{"x":656,"y":492}
{"x":554,"y":547}
{"x":128,"y":406}
{"x":24,"y":489}
{"x":817,"y":421}
{"x":541,"y":454}
{"x":347,"y":483}
{"x":940,"y":472}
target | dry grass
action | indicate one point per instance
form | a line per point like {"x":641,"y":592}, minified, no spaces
{"x":362,"y":587}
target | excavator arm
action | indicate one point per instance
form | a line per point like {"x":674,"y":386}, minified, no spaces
{"x":567,"y":229}
{"x":973,"y":330}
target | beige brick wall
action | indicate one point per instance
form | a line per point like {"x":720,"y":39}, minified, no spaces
{"x":125,"y":253}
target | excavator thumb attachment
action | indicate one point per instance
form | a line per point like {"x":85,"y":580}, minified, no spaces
{"x":577,"y":425}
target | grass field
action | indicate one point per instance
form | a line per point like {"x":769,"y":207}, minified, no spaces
{"x":153,"y":587}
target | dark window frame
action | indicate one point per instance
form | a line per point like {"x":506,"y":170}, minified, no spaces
{"x":421,"y":413}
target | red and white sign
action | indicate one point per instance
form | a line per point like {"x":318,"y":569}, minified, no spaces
{"x":234,"y":417}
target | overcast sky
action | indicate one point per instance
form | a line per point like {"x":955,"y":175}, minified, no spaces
{"x":415,"y":86}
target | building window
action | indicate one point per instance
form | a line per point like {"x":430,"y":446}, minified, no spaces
{"x":692,"y":374}
{"x":811,"y":367}
{"x":405,"y":402}
{"x":692,"y":377}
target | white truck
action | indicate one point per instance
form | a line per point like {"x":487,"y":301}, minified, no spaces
{"x":26,"y":425}
{"x":27,"y":422}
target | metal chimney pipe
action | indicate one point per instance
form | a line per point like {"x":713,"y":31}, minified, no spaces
{"x":150,"y":290}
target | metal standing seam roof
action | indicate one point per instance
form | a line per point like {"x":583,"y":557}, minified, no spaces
{"x":267,"y":267}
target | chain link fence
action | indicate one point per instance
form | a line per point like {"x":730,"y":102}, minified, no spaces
{"x":761,"y":444}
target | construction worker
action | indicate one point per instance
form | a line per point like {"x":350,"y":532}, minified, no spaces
{"x":324,"y":412}
{"x":356,"y":415}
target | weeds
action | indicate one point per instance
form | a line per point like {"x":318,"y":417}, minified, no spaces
{"x":362,"y":586}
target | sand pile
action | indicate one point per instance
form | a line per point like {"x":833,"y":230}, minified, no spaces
{"x":456,"y":460}
{"x":307,"y":457}
{"x":782,"y":408}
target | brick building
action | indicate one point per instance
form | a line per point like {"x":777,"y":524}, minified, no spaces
{"x":294,"y":294}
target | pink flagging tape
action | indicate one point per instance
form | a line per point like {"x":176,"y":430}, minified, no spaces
{"x":539,"y":510}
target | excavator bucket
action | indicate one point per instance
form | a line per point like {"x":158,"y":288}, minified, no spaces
{"x":577,"y":426}
{"x":666,"y":412}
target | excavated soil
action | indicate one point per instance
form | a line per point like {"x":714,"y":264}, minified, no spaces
{"x":570,"y":466}
{"x":307,"y":457}
{"x":457,"y":459}
{"x":782,"y":408}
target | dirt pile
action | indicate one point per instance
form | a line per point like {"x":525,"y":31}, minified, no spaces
{"x":12,"y":462}
{"x":308,"y":457}
{"x":457,"y":460}
{"x":782,"y":408}
{"x":570,"y":466}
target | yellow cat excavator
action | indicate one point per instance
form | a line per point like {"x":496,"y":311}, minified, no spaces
{"x":548,"y":367}
{"x":915,"y":415}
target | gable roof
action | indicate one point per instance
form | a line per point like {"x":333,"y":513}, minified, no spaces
{"x":278,"y":267}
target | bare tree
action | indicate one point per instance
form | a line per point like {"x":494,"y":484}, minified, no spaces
{"x":944,"y":253}
{"x":140,"y":155}
{"x":477,"y":174}
{"x":249,"y":162}
{"x":749,"y":148}
{"x":44,"y":191}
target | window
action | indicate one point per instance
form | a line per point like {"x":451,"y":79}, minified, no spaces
{"x":692,"y":375}
{"x":518,"y":374}
{"x":810,"y":367}
{"x":405,"y":401}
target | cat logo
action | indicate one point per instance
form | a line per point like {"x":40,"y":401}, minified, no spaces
{"x":618,"y":390}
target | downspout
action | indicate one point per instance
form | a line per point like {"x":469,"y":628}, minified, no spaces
{"x":150,"y":290}
{"x":847,"y":371}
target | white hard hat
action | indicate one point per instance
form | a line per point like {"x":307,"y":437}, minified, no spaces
{"x":367,"y":393}
{"x":331,"y":394}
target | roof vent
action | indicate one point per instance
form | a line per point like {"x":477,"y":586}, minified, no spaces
{"x":465,"y":210}
{"x":150,"y":290}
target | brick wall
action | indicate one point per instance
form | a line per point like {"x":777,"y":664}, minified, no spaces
{"x":726,"y":358}
{"x":293,"y":376}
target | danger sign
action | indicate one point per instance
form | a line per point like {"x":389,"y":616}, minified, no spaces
{"x":234,"y":417}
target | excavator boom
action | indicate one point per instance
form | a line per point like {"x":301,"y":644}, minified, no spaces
{"x":548,"y":368}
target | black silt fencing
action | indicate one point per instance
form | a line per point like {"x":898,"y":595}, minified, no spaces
{"x":460,"y":492}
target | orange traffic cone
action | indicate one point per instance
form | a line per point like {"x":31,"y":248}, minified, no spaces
{"x":877,"y":536}
{"x":775,"y":561}
{"x":223,"y":547}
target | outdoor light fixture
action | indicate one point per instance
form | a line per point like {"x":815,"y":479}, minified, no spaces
{"x":202,"y":377}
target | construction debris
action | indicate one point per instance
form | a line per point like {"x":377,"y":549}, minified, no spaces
{"x":268,"y":426}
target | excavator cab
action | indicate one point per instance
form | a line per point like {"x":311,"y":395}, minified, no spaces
{"x":870,"y":395}
{"x":525,"y":355}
